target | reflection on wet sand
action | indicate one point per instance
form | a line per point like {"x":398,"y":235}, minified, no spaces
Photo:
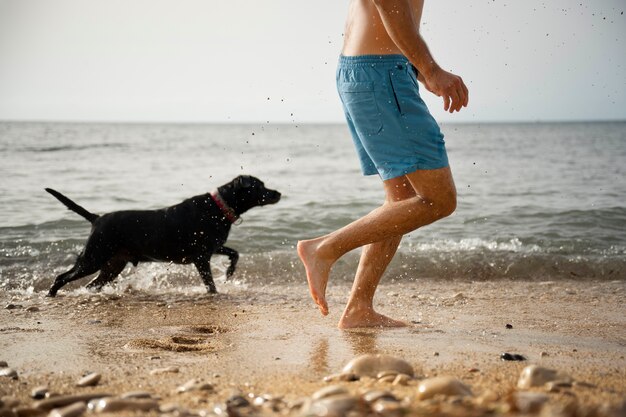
{"x":362,"y":341}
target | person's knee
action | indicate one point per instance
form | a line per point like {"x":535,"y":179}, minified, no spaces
{"x":442,"y":205}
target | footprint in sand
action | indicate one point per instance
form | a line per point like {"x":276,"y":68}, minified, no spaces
{"x":181,"y":339}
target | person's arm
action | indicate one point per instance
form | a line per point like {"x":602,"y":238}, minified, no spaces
{"x":398,"y":18}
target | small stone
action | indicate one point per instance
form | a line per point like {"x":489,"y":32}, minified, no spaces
{"x":442,"y":385}
{"x":388,"y":379}
{"x":32,"y":309}
{"x":63,"y":400}
{"x":195,"y":385}
{"x":436,"y":354}
{"x":347,"y":377}
{"x":543,"y":354}
{"x":401,"y":379}
{"x":529,"y":402}
{"x":372,"y":364}
{"x":12,"y":306}
{"x":236,"y":401}
{"x":373,"y":396}
{"x":388,"y":408}
{"x":8,"y":373}
{"x":509,"y":326}
{"x":135,"y":395}
{"x":39,"y":393}
{"x":556,"y":386}
{"x":337,"y":405}
{"x":168,"y":370}
{"x":536,"y":376}
{"x":329,"y":392}
{"x":512,"y":357}
{"x":72,"y":410}
{"x":90,"y":380}
{"x":112,"y":405}
{"x":3,"y":364}
{"x":153,"y":358}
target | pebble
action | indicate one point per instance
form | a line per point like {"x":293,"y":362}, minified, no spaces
{"x":388,"y":379}
{"x":3,"y":364}
{"x":236,"y":401}
{"x":543,"y":354}
{"x":112,"y":405}
{"x":39,"y":393}
{"x":195,"y":385}
{"x":372,"y":364}
{"x":32,"y":309}
{"x":389,"y":408}
{"x":8,"y":372}
{"x":337,"y":405}
{"x":442,"y":385}
{"x":401,"y":379}
{"x":555,"y":386}
{"x":90,"y":380}
{"x":63,"y":400}
{"x":73,"y":410}
{"x":347,"y":377}
{"x":512,"y":357}
{"x":529,"y":402}
{"x":373,"y":396}
{"x":509,"y":326}
{"x":168,"y":370}
{"x":329,"y":392}
{"x":536,"y":376}
{"x":12,"y":306}
{"x":135,"y":395}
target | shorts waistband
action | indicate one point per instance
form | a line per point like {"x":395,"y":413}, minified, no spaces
{"x":373,"y":59}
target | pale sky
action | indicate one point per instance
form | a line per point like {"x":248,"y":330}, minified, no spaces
{"x":220,"y":61}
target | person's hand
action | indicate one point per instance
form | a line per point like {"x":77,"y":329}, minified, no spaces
{"x":449,"y":86}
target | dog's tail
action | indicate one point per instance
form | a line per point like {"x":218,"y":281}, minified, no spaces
{"x":73,"y":206}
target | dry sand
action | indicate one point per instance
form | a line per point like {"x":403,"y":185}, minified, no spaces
{"x":272,"y":340}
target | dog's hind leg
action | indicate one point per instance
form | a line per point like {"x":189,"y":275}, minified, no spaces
{"x":108,"y":273}
{"x":79,"y":270}
{"x":204,"y":268}
{"x":233,"y":256}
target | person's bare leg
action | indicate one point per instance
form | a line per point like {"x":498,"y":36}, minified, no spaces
{"x":375,"y":258}
{"x":435,"y":198}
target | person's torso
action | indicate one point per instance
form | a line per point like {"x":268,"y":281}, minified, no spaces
{"x":365,"y":33}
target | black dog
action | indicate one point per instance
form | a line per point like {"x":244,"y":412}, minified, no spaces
{"x":189,"y":232}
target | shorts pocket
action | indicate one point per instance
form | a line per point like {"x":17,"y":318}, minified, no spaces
{"x":403,"y":88}
{"x":359,"y":99}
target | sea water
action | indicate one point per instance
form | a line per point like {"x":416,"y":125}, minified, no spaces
{"x":538,"y":201}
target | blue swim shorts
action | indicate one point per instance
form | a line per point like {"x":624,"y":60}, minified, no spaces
{"x":393,"y":131}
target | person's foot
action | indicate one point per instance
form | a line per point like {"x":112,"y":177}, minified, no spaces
{"x":317,"y":270}
{"x":367,"y":317}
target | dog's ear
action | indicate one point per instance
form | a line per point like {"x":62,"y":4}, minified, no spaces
{"x":245,"y":181}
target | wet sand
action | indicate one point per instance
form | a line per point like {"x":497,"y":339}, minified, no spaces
{"x":272,"y":340}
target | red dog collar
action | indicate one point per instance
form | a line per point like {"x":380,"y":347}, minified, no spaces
{"x":228,"y":212}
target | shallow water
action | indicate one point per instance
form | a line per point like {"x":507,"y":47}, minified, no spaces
{"x":536,"y":201}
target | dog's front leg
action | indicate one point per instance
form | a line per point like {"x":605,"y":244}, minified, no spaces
{"x":204,"y":268}
{"x":233,"y":256}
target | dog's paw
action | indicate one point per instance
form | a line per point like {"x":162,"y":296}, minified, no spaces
{"x":230,"y":271}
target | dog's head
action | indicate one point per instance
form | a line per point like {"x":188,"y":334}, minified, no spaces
{"x":245,"y":192}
